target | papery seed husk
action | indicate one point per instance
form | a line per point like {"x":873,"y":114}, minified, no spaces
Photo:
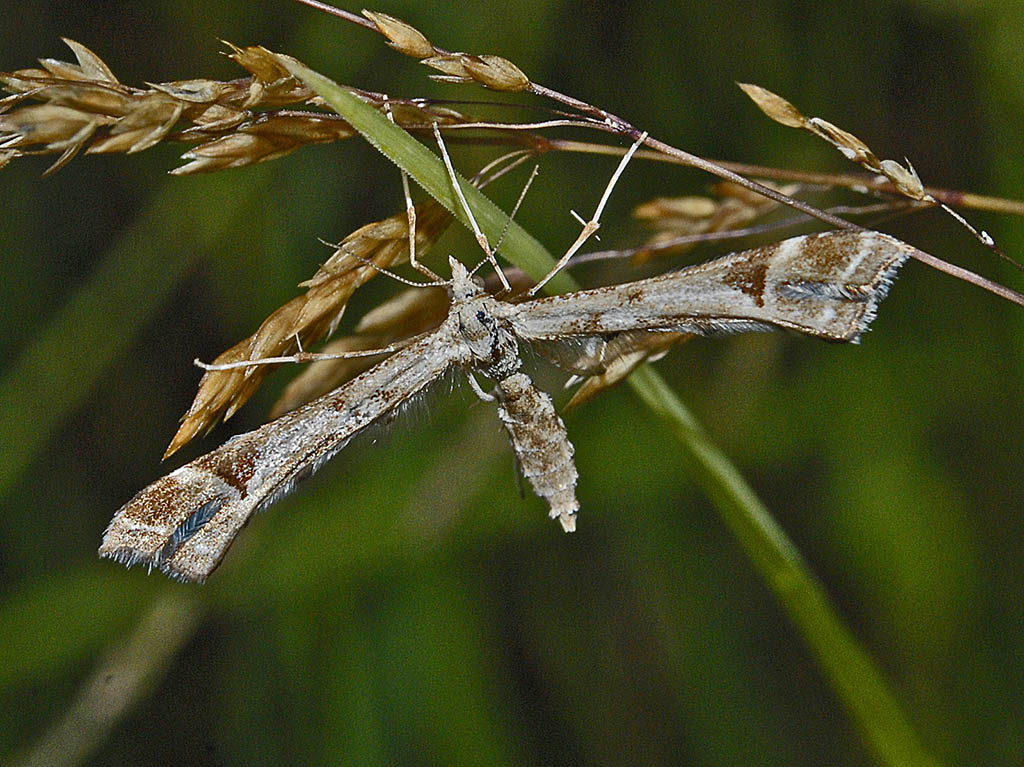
{"x":401,"y":36}
{"x":852,"y":147}
{"x":905,"y":180}
{"x":450,"y":64}
{"x":92,"y":66}
{"x":496,"y":73}
{"x":49,"y":124}
{"x":774,"y":106}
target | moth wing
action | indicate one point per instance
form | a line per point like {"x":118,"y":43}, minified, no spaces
{"x":826,"y":285}
{"x":589,"y":355}
{"x":184,"y":522}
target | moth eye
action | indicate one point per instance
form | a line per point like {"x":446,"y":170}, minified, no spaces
{"x":481,"y":317}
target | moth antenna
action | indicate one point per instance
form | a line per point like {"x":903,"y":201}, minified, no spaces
{"x":515,"y":208}
{"x":388,"y":273}
{"x":481,"y":238}
{"x":591,"y":226}
{"x":298,"y":357}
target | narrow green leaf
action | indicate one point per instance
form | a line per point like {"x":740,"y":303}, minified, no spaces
{"x":853,"y":674}
{"x":856,"y":679}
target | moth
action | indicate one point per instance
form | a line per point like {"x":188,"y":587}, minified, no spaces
{"x":825,"y":285}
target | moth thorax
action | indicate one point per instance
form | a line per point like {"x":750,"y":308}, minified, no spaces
{"x":493,"y":345}
{"x":504,"y":359}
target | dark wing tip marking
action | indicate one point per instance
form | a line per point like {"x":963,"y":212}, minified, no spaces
{"x":161,"y":559}
{"x":870,"y":294}
{"x":192,"y":525}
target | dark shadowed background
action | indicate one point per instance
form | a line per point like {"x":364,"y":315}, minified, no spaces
{"x":406,"y":606}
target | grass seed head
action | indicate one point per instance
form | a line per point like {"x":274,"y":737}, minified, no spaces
{"x":306,"y":319}
{"x":851,"y":147}
{"x":906,"y":180}
{"x":496,"y":72}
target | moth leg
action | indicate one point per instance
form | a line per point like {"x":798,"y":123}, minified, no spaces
{"x":410,"y":214}
{"x":300,"y":357}
{"x":593,"y":224}
{"x":481,"y":238}
{"x":478,"y":390}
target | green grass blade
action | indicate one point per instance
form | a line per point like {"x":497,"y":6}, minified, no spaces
{"x":853,"y":674}
{"x":849,"y":668}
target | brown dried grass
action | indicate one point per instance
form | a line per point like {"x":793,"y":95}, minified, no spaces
{"x":84,"y":107}
{"x":308,"y":318}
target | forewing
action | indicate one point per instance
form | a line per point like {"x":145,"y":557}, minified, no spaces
{"x":184,"y":522}
{"x":825,"y":285}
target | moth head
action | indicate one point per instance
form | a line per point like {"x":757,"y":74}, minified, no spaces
{"x":464,"y":285}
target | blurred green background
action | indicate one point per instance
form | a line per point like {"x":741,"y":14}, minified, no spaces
{"x":406,"y":606}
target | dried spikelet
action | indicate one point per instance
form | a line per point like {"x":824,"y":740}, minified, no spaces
{"x":50,"y":125}
{"x":774,"y":106}
{"x":451,"y":67}
{"x":272,"y":84}
{"x":308,"y":318}
{"x":87,"y":97}
{"x":494,"y":72}
{"x":851,"y":147}
{"x":90,"y":66}
{"x":149,"y":122}
{"x":268,"y":137}
{"x":673,"y":218}
{"x":54,"y":128}
{"x":401,"y":36}
{"x":264,"y":65}
{"x":906,"y":180}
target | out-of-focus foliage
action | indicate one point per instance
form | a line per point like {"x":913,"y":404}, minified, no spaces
{"x":408,"y":606}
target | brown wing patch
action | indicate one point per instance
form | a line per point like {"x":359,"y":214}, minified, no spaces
{"x":749,"y":275}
